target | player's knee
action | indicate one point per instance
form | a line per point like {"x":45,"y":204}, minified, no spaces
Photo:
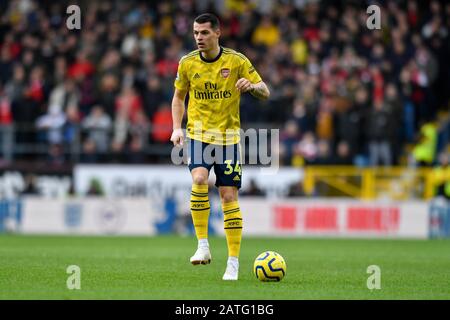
{"x":200,"y":179}
{"x":228,"y":197}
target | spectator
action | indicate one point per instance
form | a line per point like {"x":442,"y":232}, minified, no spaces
{"x":108,"y":91}
{"x":153,"y":96}
{"x":64,"y":94}
{"x":82,"y":68}
{"x":307,"y":147}
{"x":139,"y":134}
{"x":71,"y":127}
{"x":162,"y":124}
{"x":60,"y":71}
{"x":441,"y":176}
{"x":97,"y":126}
{"x":15,"y":88}
{"x":324,"y":122}
{"x":324,"y":156}
{"x":425,"y":151}
{"x":6,"y":127}
{"x":128,"y":103}
{"x":266,"y":33}
{"x":348,"y":125}
{"x":378,"y":131}
{"x":5,"y":65}
{"x":120,"y":135}
{"x":343,"y":154}
{"x":290,"y":136}
{"x":52,"y":124}
{"x":36,"y":90}
{"x":395,"y":109}
{"x":168,"y":65}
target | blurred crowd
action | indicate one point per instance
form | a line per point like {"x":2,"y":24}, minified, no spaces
{"x":341,"y":93}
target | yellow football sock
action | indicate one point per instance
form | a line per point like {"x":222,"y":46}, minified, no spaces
{"x":200,"y":209}
{"x":233,"y":227}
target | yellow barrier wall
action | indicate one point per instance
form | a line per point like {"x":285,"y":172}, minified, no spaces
{"x":399,"y":183}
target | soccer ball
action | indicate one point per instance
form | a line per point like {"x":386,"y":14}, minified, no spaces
{"x":269,"y":266}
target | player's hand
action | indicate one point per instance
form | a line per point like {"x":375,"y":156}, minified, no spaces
{"x":244,"y":85}
{"x":177,"y":137}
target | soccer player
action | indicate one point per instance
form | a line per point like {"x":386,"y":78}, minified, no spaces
{"x":215,"y":77}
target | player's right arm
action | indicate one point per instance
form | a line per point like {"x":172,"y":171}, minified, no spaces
{"x":178,"y":109}
{"x":181,"y":85}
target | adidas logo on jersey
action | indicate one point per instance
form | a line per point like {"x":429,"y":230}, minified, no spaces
{"x":196,"y":76}
{"x":236,"y":178}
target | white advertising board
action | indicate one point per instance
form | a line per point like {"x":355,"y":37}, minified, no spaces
{"x":262,"y":217}
{"x":160,"y":181}
{"x":335,"y":218}
{"x":88,"y":216}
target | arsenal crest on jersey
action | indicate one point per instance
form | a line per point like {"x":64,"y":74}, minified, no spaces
{"x":225,"y":72}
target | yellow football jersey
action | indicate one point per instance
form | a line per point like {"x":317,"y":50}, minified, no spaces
{"x":213,"y":108}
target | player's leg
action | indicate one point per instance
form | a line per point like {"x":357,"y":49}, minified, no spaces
{"x":200,"y":209}
{"x":229,"y":181}
{"x":199,"y":204}
{"x":233,"y":229}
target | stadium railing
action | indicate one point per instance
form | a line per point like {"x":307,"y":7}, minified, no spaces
{"x":397,"y":183}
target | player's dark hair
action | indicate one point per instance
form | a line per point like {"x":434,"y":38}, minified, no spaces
{"x":208,"y":17}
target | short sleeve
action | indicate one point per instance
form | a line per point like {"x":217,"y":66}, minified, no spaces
{"x":248,"y":71}
{"x":181,"y":81}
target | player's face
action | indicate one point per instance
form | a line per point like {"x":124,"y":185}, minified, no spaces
{"x":206,"y":38}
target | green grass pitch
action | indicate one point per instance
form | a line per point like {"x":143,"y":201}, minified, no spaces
{"x":34,"y":267}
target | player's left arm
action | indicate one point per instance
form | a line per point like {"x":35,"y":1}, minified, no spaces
{"x":259,"y":90}
{"x":250,"y":81}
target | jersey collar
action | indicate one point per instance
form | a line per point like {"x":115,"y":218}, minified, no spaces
{"x":212,"y":60}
